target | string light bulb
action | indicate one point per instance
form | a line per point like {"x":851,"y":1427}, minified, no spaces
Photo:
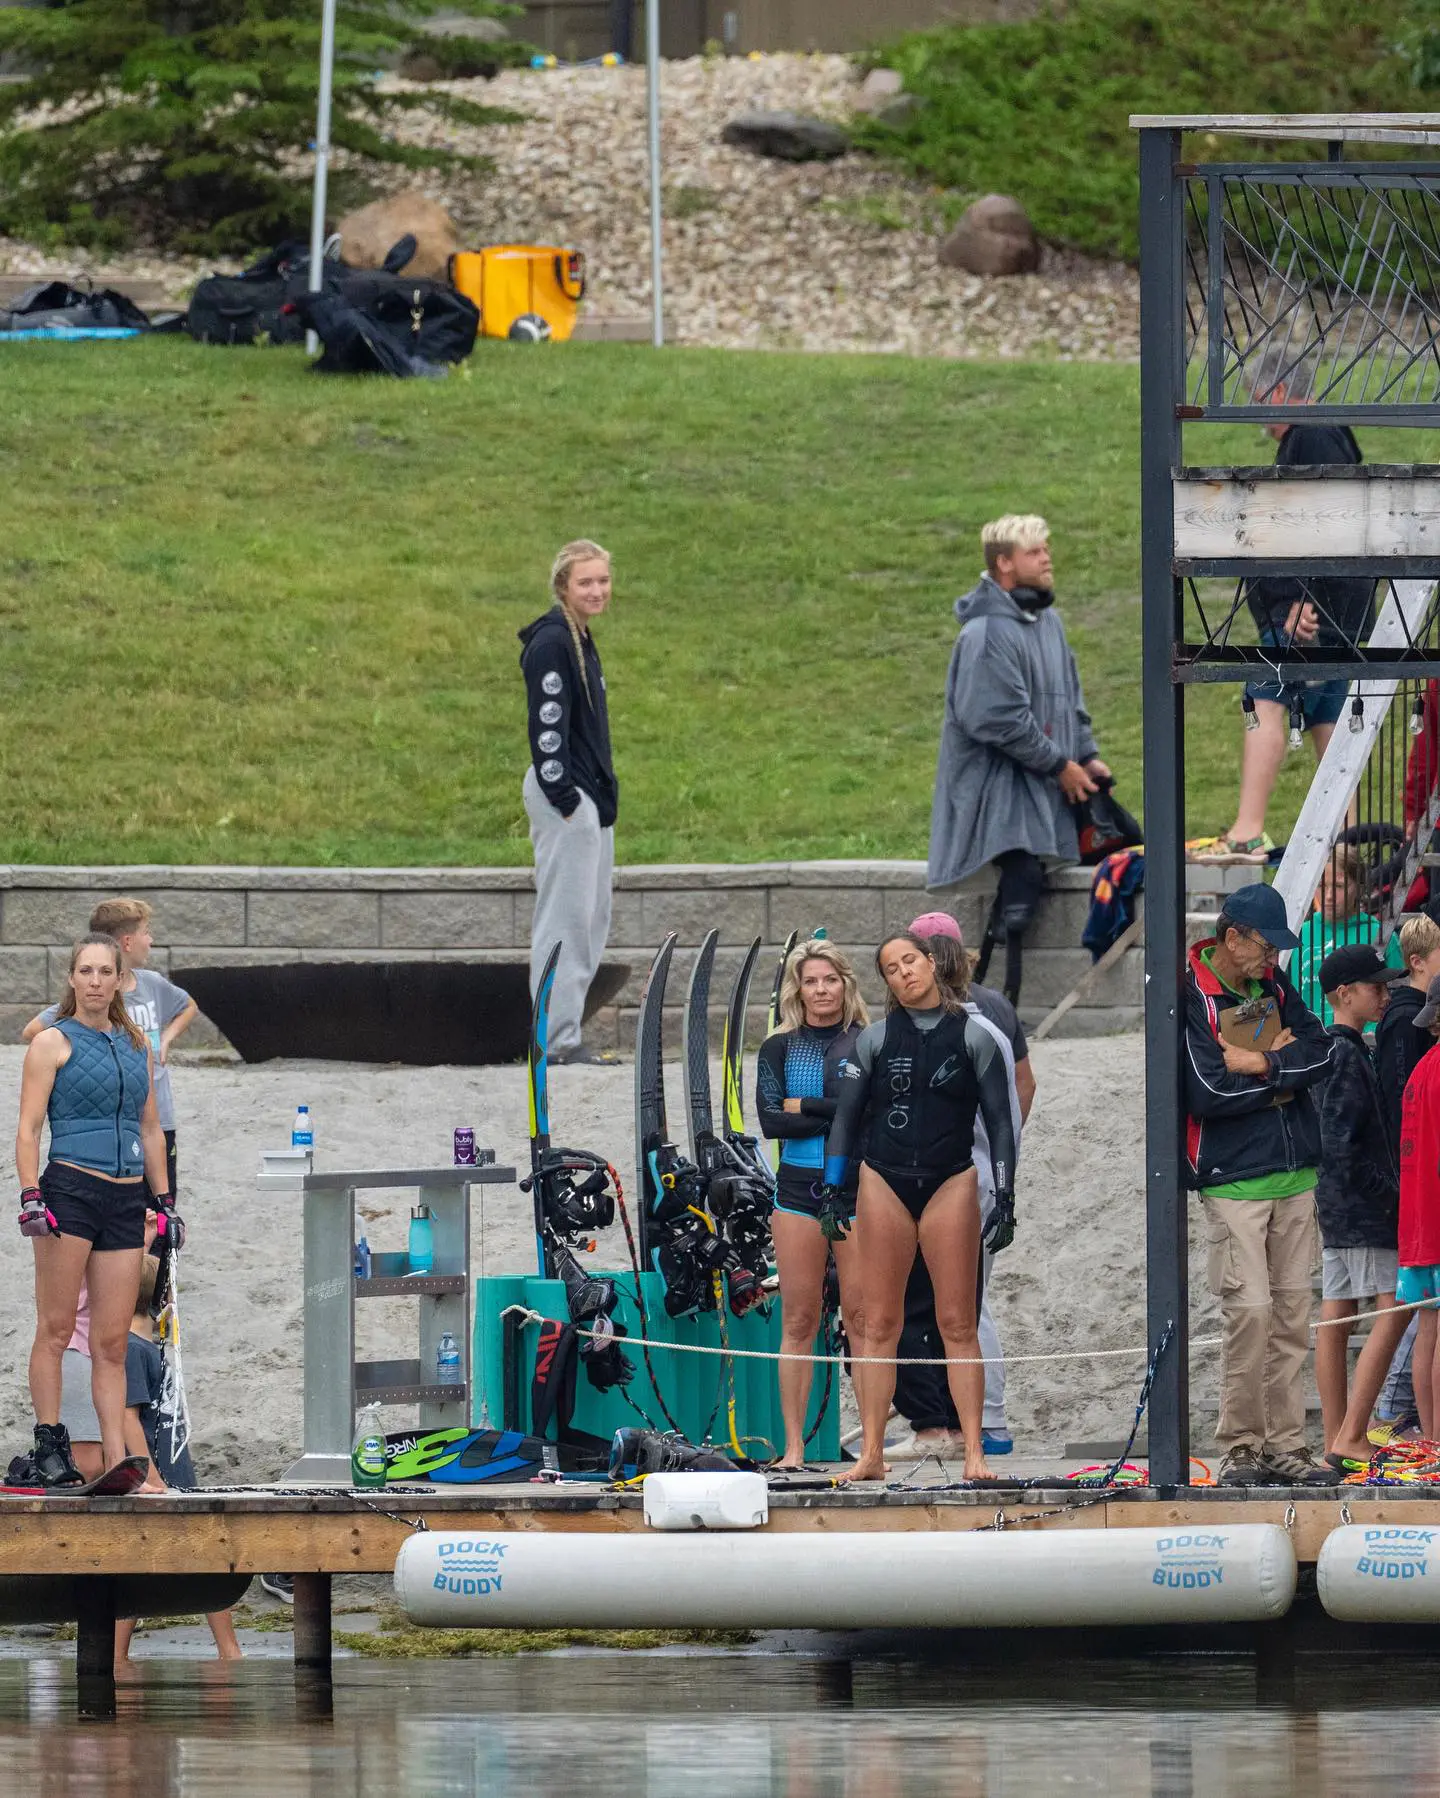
{"x":1357,"y":715}
{"x":1297,"y":727}
{"x":1252,"y":718}
{"x":1417,"y":715}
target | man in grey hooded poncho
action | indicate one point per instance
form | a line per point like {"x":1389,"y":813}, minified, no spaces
{"x":1017,"y":751}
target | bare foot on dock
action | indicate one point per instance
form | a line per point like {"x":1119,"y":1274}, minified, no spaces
{"x":868,"y":1467}
{"x":976,"y":1466}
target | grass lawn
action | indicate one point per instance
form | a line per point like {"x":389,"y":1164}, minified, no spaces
{"x":251,"y":615}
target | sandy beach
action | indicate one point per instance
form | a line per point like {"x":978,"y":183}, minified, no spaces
{"x":1072,"y":1284}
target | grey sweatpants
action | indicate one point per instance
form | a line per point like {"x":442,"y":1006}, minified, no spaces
{"x":574,"y":862}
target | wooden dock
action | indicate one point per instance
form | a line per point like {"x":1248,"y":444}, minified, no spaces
{"x":316,"y":1535}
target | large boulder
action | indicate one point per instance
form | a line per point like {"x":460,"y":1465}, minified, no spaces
{"x":366,"y":235}
{"x":788,"y":136}
{"x":993,"y":237}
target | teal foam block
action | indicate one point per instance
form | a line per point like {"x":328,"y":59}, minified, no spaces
{"x":692,"y":1387}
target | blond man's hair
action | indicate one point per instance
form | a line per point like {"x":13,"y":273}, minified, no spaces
{"x":118,"y":917}
{"x":1016,"y":530}
{"x":1419,"y":937}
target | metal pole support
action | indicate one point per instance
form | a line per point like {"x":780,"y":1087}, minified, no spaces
{"x":312,"y":1623}
{"x":1161,"y":390}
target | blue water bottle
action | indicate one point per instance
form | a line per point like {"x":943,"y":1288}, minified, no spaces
{"x":422,"y":1240}
{"x":302,"y":1131}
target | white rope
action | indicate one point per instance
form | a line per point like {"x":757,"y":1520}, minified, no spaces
{"x":174,"y":1408}
{"x":1134,"y":1354}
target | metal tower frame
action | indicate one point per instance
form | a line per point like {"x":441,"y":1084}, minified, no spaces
{"x":1324,"y":274}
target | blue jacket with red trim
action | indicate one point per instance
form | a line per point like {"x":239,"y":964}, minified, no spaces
{"x":1242,"y":1126}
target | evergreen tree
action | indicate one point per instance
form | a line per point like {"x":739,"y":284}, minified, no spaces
{"x":187,"y":123}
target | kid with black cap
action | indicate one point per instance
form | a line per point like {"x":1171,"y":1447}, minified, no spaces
{"x":1357,"y":1194}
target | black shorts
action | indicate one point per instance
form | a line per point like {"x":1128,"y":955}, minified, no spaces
{"x":797,"y":1190}
{"x":109,"y":1214}
{"x":915,"y":1191}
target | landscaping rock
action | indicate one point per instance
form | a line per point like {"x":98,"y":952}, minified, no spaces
{"x":994,"y":237}
{"x":900,"y":110}
{"x":472,"y":60}
{"x":366,"y":235}
{"x":878,"y":89}
{"x":459,"y":24}
{"x":787,"y":136}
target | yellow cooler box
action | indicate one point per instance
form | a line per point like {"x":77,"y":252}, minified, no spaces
{"x":509,"y":279}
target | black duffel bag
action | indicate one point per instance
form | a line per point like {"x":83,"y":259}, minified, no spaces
{"x":56,"y":305}
{"x":251,"y":307}
{"x":427,"y":319}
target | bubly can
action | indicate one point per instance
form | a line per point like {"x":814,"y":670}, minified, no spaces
{"x":464,"y":1148}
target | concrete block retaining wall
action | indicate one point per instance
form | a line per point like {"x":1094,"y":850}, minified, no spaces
{"x":239,"y":916}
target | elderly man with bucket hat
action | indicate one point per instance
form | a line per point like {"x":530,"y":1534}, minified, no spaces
{"x":1253,"y":1055}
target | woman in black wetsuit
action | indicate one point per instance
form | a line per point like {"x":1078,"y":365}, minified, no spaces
{"x":919,"y":1079}
{"x":796,"y":1080}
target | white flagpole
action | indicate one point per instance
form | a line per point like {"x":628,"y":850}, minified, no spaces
{"x":652,"y":96}
{"x":322,"y":158}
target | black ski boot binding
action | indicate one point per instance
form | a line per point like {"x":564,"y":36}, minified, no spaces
{"x":636,"y":1452}
{"x":51,"y":1457}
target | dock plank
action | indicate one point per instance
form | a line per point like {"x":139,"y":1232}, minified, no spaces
{"x":331,"y":1532}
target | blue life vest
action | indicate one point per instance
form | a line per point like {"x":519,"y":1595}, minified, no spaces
{"x":97,"y":1099}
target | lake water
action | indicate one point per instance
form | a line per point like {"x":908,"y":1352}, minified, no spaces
{"x":738,"y":1725}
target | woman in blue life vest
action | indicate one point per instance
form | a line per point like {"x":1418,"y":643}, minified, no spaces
{"x":914,"y":1086}
{"x":88,"y":1076}
{"x":797,"y":1078}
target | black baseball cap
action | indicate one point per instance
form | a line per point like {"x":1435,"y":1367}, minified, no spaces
{"x":1430,"y":1010}
{"x":1260,"y":908}
{"x":1353,"y":962}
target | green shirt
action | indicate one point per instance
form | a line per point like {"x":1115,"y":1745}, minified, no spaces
{"x":1287,"y":1182}
{"x":1318,"y":936}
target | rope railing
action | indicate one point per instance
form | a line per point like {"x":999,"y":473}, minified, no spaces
{"x":1138,"y":1353}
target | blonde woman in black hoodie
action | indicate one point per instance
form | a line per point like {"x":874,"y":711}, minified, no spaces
{"x":570,"y":790}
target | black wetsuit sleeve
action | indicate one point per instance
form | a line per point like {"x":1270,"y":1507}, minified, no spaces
{"x":992,"y":1077}
{"x":775,"y":1122}
{"x":843,"y":1142}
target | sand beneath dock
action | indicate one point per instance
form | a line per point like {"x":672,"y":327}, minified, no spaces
{"x":1073,"y":1283}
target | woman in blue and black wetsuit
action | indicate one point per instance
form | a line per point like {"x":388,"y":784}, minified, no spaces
{"x":88,"y":1074}
{"x":916,"y":1083}
{"x":796,"y":1081}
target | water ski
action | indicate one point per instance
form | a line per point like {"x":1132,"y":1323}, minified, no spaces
{"x":116,"y":1482}
{"x":459,"y":1457}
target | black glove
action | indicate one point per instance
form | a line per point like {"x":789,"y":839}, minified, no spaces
{"x":835,"y":1214}
{"x":999,"y":1231}
{"x":169,"y":1228}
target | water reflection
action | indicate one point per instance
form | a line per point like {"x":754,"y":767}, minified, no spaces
{"x":740,"y":1726}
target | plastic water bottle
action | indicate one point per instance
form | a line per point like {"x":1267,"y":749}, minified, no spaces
{"x":447,"y":1361}
{"x":302,"y":1131}
{"x":362,"y":1260}
{"x":367,"y":1454}
{"x":422,"y":1240}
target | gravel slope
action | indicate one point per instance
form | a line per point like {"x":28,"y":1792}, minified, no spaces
{"x":758,"y":254}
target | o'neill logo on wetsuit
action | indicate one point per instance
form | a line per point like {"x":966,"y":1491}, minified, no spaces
{"x":899,"y":1118}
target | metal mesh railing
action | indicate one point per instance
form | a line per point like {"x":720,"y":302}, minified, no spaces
{"x":1322,"y":277}
{"x":1266,"y":621}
